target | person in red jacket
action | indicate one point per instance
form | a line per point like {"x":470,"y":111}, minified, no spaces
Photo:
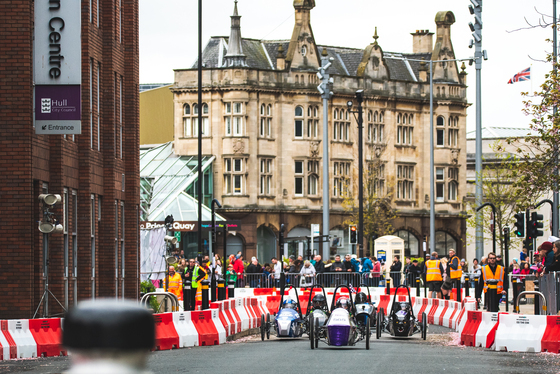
{"x":239,"y":269}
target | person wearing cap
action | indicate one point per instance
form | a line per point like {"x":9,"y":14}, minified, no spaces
{"x":239,"y":268}
{"x":499,"y":260}
{"x":454,"y":269}
{"x":549,"y":253}
{"x":493,"y":278}
{"x":434,"y":275}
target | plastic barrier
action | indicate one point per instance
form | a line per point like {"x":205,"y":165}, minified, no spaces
{"x":242,"y":313}
{"x":227,"y":325}
{"x":432,"y":311}
{"x":440,"y":310}
{"x":263,"y":291}
{"x":452,"y":311}
{"x":462,"y":318}
{"x":218,"y":324}
{"x":272,"y":304}
{"x":232,"y":314}
{"x":520,"y":333}
{"x":551,"y":338}
{"x":207,"y":332}
{"x":166,"y":335}
{"x":385,"y":303}
{"x":18,"y":329}
{"x":417,"y":306}
{"x":9,"y":348}
{"x":48,"y":336}
{"x":468,"y":336}
{"x":188,"y":336}
{"x":250,"y":312}
{"x":426,"y":306}
{"x":487,"y":330}
{"x":255,"y":305}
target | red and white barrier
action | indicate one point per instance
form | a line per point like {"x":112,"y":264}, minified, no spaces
{"x":463,"y":315}
{"x":242,"y":312}
{"x":218,"y":325}
{"x":551,"y":338}
{"x":204,"y":324}
{"x":468,"y":335}
{"x":231,"y":311}
{"x":520,"y":333}
{"x":166,"y":335}
{"x":486,"y":330}
{"x":448,"y":312}
{"x":250,"y":312}
{"x":188,"y":336}
{"x":18,"y":329}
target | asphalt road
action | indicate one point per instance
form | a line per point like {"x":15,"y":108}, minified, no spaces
{"x":387,"y":355}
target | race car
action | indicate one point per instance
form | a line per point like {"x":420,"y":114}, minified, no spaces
{"x":401,"y":321}
{"x":341,"y":328}
{"x":288,"y":322}
{"x":365,"y":308}
{"x":317,"y":308}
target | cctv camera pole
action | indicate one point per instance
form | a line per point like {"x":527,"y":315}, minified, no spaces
{"x":325,"y":89}
{"x":213,"y":280}
{"x":46,"y":274}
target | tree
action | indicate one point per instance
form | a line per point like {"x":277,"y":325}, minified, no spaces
{"x":499,"y":187}
{"x":378,"y":212}
{"x":537,"y":169}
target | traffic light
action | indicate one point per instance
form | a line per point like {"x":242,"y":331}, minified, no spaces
{"x":537,"y":224}
{"x":519,"y":225}
{"x":353,"y":233}
{"x":528,"y":243}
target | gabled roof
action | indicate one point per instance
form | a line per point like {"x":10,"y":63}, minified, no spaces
{"x":262,"y":54}
{"x":164,"y":178}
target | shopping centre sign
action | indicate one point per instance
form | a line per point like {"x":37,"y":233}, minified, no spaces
{"x":188,"y":226}
{"x":57,"y":67}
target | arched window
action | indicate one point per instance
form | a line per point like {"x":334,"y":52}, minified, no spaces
{"x":444,"y":242}
{"x":298,"y":128}
{"x":187,"y":127}
{"x":440,"y":132}
{"x":186,"y":109}
{"x":453,"y":189}
{"x":411,"y":243}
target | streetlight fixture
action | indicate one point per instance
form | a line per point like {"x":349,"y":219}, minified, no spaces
{"x":360,"y":120}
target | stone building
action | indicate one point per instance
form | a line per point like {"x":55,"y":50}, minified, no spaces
{"x":95,"y":172}
{"x":262,"y":120}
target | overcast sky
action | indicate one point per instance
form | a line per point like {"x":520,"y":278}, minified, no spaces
{"x":168,"y":38}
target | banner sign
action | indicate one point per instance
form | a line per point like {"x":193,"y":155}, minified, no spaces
{"x":189,"y":226}
{"x":57,"y":67}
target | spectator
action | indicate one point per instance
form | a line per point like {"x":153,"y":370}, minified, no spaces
{"x":446,"y":288}
{"x":555,"y":265}
{"x":239,"y":268}
{"x":174,"y":282}
{"x":267,"y":271}
{"x":348,"y":264}
{"x":238,"y":255}
{"x":395,"y":269}
{"x":300,"y":258}
{"x":231,"y":274}
{"x":218,"y":267}
{"x":183,"y":264}
{"x":355,"y":264}
{"x":548,"y":253}
{"x":289,"y":268}
{"x":277,"y":269}
{"x":482,"y":261}
{"x":365,"y":271}
{"x":319,"y":264}
{"x":434,"y":275}
{"x":414,"y":272}
{"x":337,"y":267}
{"x":523,"y":255}
{"x":407,"y":276}
{"x":445,"y":268}
{"x":475,"y":272}
{"x":254,"y":272}
{"x":464,"y":270}
{"x":525,"y":270}
{"x":307,"y":273}
{"x":499,"y":260}
{"x":376,"y":271}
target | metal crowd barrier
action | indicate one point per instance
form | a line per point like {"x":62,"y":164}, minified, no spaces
{"x":173,"y":297}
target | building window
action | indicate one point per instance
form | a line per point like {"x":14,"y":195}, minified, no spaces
{"x":266,"y":176}
{"x":190,"y":120}
{"x":234,"y":119}
{"x":341,"y":125}
{"x":266,"y":121}
{"x":444,"y":242}
{"x":299,"y":175}
{"x":312,"y":122}
{"x":298,"y":128}
{"x":440,"y":184}
{"x":341,"y":178}
{"x":376,"y":172}
{"x":440,"y":131}
{"x":411,"y":244}
{"x":404,"y":129}
{"x":405,"y":182}
{"x":234,"y":176}
{"x":453,"y":131}
{"x":312,"y":177}
{"x":453,"y":185}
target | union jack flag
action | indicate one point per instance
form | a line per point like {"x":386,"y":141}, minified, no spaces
{"x":523,"y":75}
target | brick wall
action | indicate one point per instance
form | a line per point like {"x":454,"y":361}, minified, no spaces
{"x":79,"y":164}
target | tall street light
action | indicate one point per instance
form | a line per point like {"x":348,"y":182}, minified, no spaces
{"x":360,"y":100}
{"x":199,"y":184}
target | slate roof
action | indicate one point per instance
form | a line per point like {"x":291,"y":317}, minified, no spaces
{"x":262,"y":54}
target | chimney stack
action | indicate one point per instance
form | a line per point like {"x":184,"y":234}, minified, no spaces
{"x":422,"y":41}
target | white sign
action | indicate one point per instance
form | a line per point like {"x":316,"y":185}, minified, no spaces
{"x":57,"y":46}
{"x":315,"y":229}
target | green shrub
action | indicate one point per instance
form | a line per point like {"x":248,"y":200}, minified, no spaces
{"x":146,"y":287}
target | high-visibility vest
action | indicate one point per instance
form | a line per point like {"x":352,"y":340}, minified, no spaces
{"x":194,"y":283}
{"x":498,"y":275}
{"x":175,"y":285}
{"x":455,"y":274}
{"x":433,"y":274}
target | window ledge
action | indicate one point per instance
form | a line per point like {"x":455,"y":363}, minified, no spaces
{"x":412,"y":146}
{"x":232,"y":195}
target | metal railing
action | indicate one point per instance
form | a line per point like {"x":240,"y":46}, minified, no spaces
{"x":531,"y":293}
{"x":166,"y":295}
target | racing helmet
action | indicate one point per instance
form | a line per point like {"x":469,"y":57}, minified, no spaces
{"x":343,"y":302}
{"x":404,"y":306}
{"x":361,"y":298}
{"x":290,"y":304}
{"x":319,"y":301}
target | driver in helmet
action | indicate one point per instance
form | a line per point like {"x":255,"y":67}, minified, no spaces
{"x":318,"y":302}
{"x":290,"y":304}
{"x":361,"y":298}
{"x":344,"y":303}
{"x":405,"y":306}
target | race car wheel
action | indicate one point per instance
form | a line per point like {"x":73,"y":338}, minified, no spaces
{"x":316,"y":334}
{"x":368,"y":335}
{"x":424,"y":326}
{"x":312,"y":332}
{"x":262,"y":327}
{"x":379,"y":323}
{"x":267,"y":325}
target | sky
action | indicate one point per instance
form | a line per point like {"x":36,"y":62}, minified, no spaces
{"x":169,"y":29}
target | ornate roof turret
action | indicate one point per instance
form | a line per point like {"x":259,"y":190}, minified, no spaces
{"x":235,"y":56}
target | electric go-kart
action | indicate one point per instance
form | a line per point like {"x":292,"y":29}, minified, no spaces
{"x":317,"y":308}
{"x":341,"y":328}
{"x":365,"y":308}
{"x":288,"y":322}
{"x":401,"y":321}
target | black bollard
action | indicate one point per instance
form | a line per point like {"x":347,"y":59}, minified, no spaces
{"x":213,"y":287}
{"x":109,"y":336}
{"x":417,"y":283}
{"x":282,"y":280}
{"x":231,"y":289}
{"x":458,"y":283}
{"x":187,"y":296}
{"x":221,"y":289}
{"x":387,"y":286}
{"x":537,"y":299}
{"x":493,"y":301}
{"x":205,"y":284}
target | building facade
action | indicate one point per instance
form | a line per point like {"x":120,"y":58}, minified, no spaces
{"x":262,"y":118}
{"x":96,"y":172}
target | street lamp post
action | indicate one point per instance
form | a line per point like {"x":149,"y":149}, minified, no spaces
{"x":360,"y":100}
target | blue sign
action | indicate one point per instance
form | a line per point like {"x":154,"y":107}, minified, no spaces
{"x":381,"y":255}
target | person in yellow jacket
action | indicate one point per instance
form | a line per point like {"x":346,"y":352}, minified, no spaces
{"x":434,"y":275}
{"x":454,"y":269}
{"x":493,"y":278}
{"x":200,"y":273}
{"x":174,"y":283}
